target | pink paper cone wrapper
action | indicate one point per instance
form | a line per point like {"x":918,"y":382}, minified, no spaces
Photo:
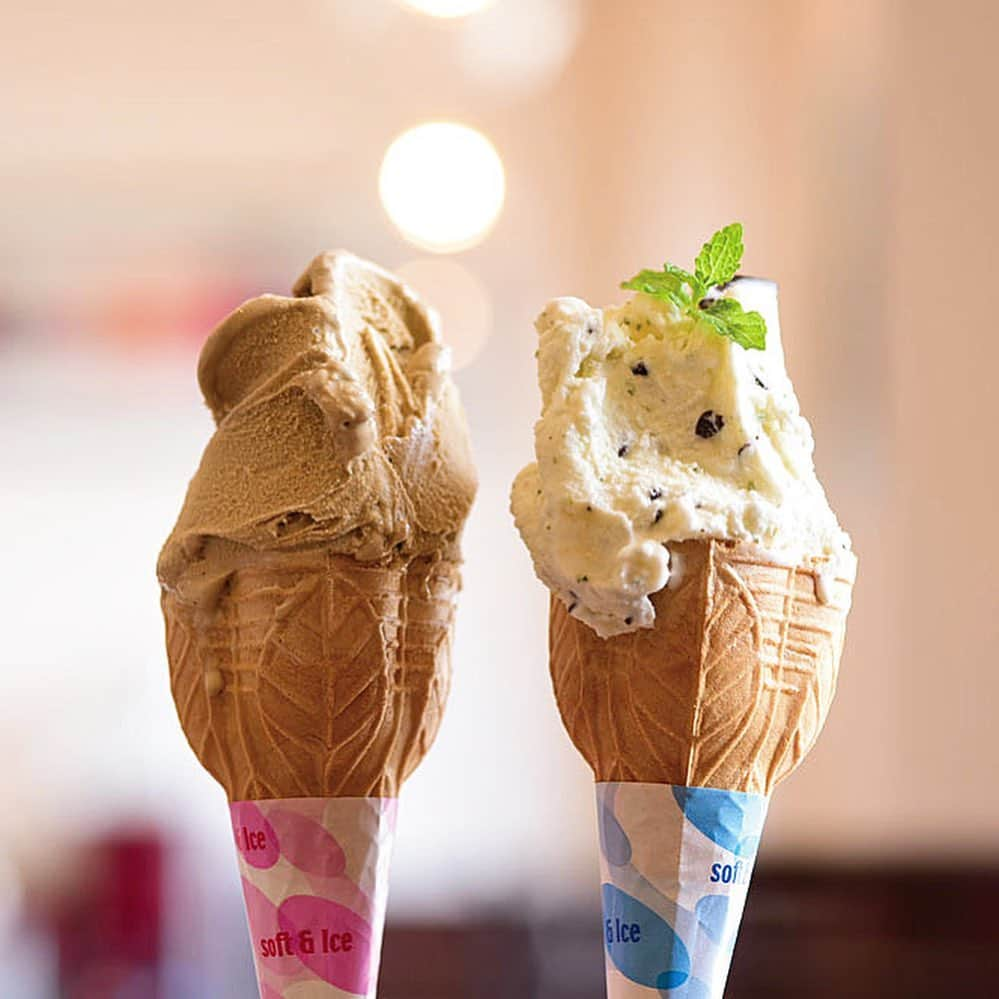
{"x":315,"y":883}
{"x":675,"y":864}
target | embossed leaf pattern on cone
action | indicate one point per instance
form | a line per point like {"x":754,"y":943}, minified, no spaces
{"x":729,"y":688}
{"x":727,"y":698}
{"x":333,"y":675}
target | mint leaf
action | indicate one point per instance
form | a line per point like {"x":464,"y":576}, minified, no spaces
{"x":722,"y":308}
{"x":681,"y":274}
{"x":726,"y":316}
{"x":720,"y":256}
{"x":660,"y":284}
{"x":716,"y":264}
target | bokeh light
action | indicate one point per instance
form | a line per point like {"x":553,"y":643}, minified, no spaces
{"x":492,"y":50}
{"x":459,"y":297}
{"x":443,"y":186}
{"x":447,"y":8}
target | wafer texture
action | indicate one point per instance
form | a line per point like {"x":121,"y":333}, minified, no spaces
{"x":314,"y":675}
{"x":729,"y":689}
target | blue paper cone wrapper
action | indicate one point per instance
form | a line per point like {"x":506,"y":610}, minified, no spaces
{"x":675,"y":864}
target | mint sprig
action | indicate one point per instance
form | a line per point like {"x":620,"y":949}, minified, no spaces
{"x":716,"y":264}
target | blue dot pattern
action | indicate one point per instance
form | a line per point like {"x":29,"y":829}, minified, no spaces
{"x":729,"y":818}
{"x":675,"y":865}
{"x":653,"y":955}
{"x":712,"y":914}
{"x":614,"y":843}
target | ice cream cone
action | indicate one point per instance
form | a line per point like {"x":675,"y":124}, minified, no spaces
{"x":309,"y":587}
{"x":318,"y":676}
{"x":729,"y":689}
{"x":315,"y":690}
{"x":688,"y":727}
{"x":693,"y":670}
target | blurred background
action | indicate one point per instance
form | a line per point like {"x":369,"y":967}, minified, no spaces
{"x":161,"y":163}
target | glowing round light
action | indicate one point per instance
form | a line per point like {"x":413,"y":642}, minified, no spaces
{"x":461,"y":300}
{"x":448,"y":8}
{"x":492,"y":51}
{"x":442,"y":184}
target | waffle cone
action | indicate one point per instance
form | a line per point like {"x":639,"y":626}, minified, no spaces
{"x":314,"y":675}
{"x":729,"y":689}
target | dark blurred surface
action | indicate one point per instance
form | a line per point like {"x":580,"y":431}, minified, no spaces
{"x":849,"y":934}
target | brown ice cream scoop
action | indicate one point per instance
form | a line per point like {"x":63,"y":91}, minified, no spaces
{"x":729,"y":689}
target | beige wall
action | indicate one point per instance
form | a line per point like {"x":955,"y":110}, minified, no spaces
{"x":945,"y":257}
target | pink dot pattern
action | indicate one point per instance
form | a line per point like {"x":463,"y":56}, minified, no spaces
{"x":314,"y":874}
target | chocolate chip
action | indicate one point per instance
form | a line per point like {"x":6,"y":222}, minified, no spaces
{"x":639,"y":369}
{"x":654,"y":494}
{"x":628,"y":620}
{"x":709,"y":423}
{"x":622,"y":450}
{"x":658,"y":516}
